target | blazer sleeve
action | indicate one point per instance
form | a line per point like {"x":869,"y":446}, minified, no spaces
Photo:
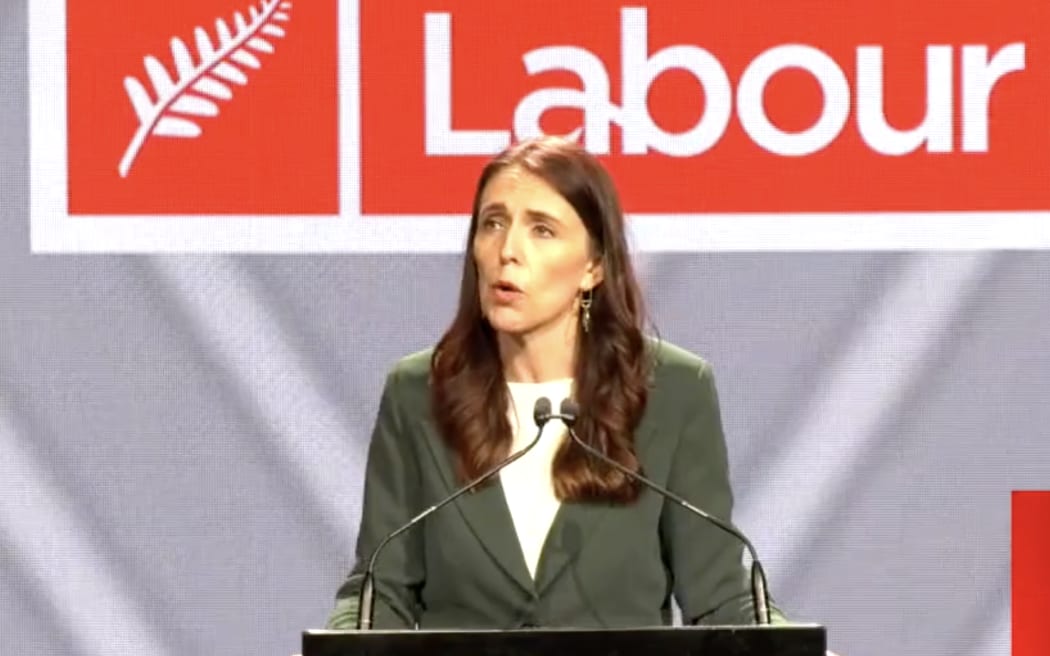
{"x":711,"y":584}
{"x":391,"y":498}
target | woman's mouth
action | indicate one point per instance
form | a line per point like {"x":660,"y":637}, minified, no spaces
{"x":505,"y":291}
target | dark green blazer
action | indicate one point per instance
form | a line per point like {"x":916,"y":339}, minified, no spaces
{"x":601,"y":565}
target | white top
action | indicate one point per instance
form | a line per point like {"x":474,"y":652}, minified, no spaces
{"x":527,"y":482}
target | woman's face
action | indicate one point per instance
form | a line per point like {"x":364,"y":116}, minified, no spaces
{"x":533,"y":255}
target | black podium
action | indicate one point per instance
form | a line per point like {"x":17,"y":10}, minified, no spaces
{"x":781,"y":640}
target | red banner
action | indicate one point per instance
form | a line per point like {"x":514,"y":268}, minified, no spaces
{"x":743,"y":125}
{"x":1030,"y":573}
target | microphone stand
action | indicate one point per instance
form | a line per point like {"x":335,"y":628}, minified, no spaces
{"x":759,"y":587}
{"x":541,"y":414}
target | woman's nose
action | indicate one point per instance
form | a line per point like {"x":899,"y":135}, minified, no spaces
{"x":510,"y":248}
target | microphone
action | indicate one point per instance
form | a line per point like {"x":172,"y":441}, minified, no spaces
{"x":569,"y":411}
{"x":541,"y":414}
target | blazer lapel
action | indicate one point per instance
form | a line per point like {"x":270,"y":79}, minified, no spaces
{"x":574,"y":525}
{"x":485,"y":511}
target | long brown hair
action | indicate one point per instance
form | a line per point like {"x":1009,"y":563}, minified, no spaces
{"x":469,"y":396}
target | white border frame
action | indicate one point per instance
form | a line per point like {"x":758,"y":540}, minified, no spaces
{"x":52,"y":230}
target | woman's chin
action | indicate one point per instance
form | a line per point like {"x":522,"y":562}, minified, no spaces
{"x":509,"y":328}
{"x":508,"y":323}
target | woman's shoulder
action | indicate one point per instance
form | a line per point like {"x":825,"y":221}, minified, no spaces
{"x":407,"y":380}
{"x":412,"y":369}
{"x":673,"y":362}
{"x":682,"y":386}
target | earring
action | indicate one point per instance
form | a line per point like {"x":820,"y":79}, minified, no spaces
{"x":586,"y":297}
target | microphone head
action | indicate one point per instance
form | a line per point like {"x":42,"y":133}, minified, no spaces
{"x":569,"y":411}
{"x":541,"y":412}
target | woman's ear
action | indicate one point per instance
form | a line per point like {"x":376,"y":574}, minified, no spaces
{"x":595,"y":274}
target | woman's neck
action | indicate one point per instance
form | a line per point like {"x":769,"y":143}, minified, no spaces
{"x":537,"y":358}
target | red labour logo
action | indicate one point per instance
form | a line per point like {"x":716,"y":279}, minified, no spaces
{"x":735,"y":107}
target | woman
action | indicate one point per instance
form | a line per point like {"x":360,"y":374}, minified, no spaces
{"x":549,"y":306}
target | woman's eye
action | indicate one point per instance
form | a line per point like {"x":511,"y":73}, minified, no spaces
{"x":544,"y":231}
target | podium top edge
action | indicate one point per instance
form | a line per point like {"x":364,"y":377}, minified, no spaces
{"x":794,"y":626}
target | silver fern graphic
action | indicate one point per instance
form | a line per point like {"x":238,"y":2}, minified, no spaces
{"x":195,"y":88}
